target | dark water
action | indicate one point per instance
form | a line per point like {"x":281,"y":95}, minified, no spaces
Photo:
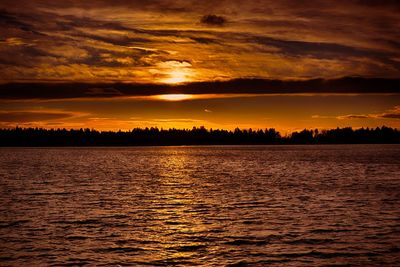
{"x":209,"y":206}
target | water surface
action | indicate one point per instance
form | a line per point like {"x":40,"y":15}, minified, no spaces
{"x":212,"y":206}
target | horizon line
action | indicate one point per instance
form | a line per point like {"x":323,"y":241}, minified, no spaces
{"x":208,"y":129}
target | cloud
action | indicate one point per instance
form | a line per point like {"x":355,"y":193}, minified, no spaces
{"x":205,"y":40}
{"x":207,"y":110}
{"x":69,"y":52}
{"x":174,"y":64}
{"x":322,"y":117}
{"x":64,"y":40}
{"x":176,"y":120}
{"x":8,"y":19}
{"x":393,"y":113}
{"x":13,"y":91}
{"x":353,"y":116}
{"x":103,"y":92}
{"x":13,"y":41}
{"x":316,"y":49}
{"x":213,"y":20}
{"x":161,"y":120}
{"x":35,"y":116}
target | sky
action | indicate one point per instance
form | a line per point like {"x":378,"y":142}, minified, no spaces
{"x":119,"y":64}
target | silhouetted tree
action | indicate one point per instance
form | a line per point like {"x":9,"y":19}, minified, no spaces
{"x":196,"y":136}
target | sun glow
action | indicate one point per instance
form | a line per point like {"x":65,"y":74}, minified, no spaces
{"x":174,"y":97}
{"x":177,"y":76}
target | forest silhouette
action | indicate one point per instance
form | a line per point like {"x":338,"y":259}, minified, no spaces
{"x":195,"y":136}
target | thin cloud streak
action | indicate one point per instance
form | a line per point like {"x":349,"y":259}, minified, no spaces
{"x":393,"y":113}
{"x":245,"y":87}
{"x":37,"y":115}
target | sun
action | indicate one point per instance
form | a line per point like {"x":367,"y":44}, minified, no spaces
{"x":176,"y":76}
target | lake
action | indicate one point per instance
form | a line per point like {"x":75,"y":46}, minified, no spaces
{"x":316,"y":205}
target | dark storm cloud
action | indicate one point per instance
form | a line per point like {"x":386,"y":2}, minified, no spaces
{"x":213,"y":20}
{"x":18,"y":91}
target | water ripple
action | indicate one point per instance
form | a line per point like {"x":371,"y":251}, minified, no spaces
{"x":201,"y":206}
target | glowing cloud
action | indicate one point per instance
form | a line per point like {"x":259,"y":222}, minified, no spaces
{"x":176,"y":76}
{"x":174,"y":97}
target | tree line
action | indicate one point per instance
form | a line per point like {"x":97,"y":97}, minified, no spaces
{"x":195,"y":136}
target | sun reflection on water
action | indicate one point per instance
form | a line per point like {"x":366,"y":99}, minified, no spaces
{"x":179,"y":199}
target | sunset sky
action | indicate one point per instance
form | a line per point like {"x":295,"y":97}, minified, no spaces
{"x":119,"y":64}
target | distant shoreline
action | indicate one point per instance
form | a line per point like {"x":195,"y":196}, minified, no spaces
{"x":36,"y":137}
{"x":190,"y":146}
